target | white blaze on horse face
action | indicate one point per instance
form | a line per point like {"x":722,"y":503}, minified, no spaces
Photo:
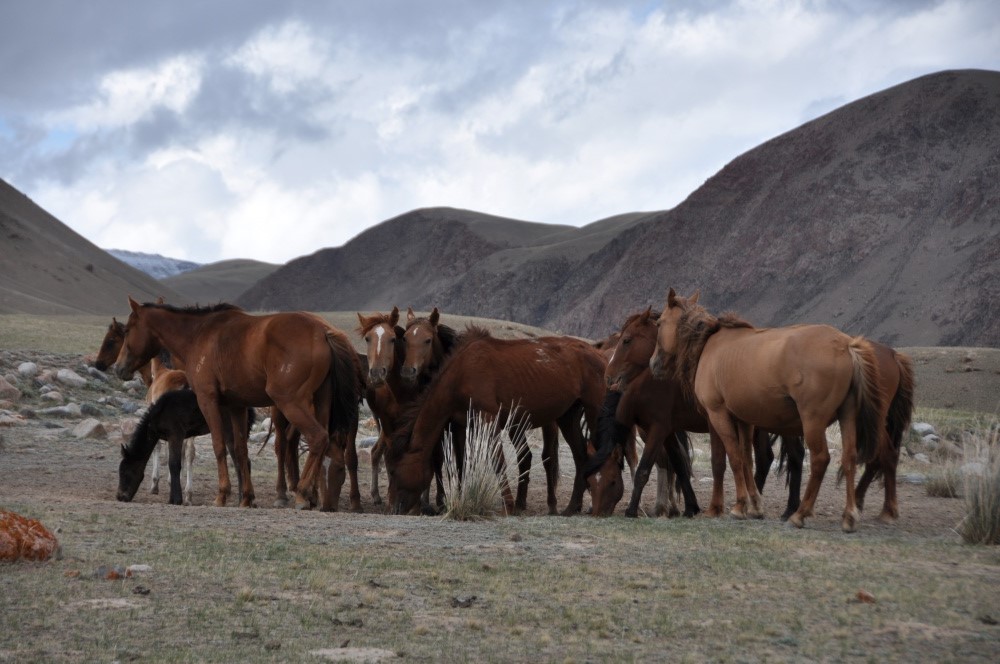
{"x":379,"y":331}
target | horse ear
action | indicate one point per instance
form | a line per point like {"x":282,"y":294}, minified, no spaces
{"x":124,"y":452}
{"x":694,"y":298}
{"x":671,"y":299}
{"x":435,"y":316}
{"x":646,"y":314}
{"x":361,"y":319}
{"x":394,"y":316}
{"x":133,"y":304}
{"x":410,"y":315}
{"x":114,"y":321}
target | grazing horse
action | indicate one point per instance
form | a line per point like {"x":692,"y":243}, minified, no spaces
{"x":167,"y":381}
{"x":791,"y":381}
{"x":523,"y":381}
{"x":658,"y":406}
{"x":176,"y":418}
{"x":234,"y":361}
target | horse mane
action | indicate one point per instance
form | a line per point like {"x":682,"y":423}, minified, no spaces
{"x":653,"y":316}
{"x":144,"y":438}
{"x":694,"y":328}
{"x":610,"y":433}
{"x":368,"y":322}
{"x":194,"y":309}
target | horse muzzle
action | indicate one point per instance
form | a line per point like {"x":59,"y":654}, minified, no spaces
{"x":409,"y":374}
{"x":377,"y":376}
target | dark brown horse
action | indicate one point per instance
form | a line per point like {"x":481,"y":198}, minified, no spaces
{"x":658,"y":406}
{"x":234,"y":361}
{"x":111,"y":345}
{"x":386,"y":392}
{"x":791,"y":381}
{"x":531,"y":381}
{"x":175,"y":418}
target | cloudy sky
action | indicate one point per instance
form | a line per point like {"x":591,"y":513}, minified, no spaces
{"x":208,"y":130}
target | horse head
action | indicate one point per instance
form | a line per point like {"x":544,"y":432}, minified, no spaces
{"x":130,"y":472}
{"x":423,"y":347}
{"x":381,"y":334}
{"x":111,"y":345}
{"x":139,"y":345}
{"x":605,"y":465}
{"x":636,"y":343}
{"x":666,"y":330}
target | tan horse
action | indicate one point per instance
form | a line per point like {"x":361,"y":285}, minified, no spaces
{"x":234,"y":361}
{"x":793,"y":381}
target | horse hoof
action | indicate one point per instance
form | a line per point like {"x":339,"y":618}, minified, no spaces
{"x":631,"y":513}
{"x":220,"y":501}
{"x":738,"y":513}
{"x":796,"y":520}
{"x":689,"y":514}
{"x":302,"y":504}
{"x":888,"y":518}
{"x":376,"y":499}
{"x":714,"y":512}
{"x":849,"y":524}
{"x":357,"y":509}
{"x":281,"y":502}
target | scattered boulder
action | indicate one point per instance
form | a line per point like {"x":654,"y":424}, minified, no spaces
{"x":28,"y":369}
{"x":90,"y":428}
{"x":91,"y":410}
{"x":71,"y":378}
{"x":922,"y":428}
{"x":8,"y":392}
{"x":69,"y":410}
{"x":22,"y":538}
{"x":98,"y":374}
{"x":53,"y":396}
{"x":9,"y":419}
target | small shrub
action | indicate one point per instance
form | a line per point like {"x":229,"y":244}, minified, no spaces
{"x":945,"y":481}
{"x":981,"y":524}
{"x":478,"y":494}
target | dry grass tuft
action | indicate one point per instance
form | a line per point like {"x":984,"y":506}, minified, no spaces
{"x":477,"y":495}
{"x":981,"y":471}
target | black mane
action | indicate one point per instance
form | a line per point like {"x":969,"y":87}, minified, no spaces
{"x":195,"y":309}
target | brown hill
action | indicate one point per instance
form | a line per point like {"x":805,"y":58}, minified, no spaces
{"x":46,"y":268}
{"x":218,"y":282}
{"x":880,"y":217}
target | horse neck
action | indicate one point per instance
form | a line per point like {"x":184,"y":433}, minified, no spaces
{"x":435,"y":411}
{"x":140,"y":447}
{"x":178,"y":332}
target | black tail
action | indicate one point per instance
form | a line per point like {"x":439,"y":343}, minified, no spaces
{"x":347,"y":384}
{"x":610,"y":432}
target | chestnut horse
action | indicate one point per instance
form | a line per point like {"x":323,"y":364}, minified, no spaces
{"x":386,"y":392}
{"x":530,"y":381}
{"x":176,"y":418}
{"x":895,"y":374}
{"x":293,"y":360}
{"x":791,"y":381}
{"x":111,"y":345}
{"x":658,"y":406}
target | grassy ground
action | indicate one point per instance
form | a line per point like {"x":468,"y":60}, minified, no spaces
{"x":229,"y":584}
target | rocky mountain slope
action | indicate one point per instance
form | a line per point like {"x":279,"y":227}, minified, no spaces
{"x":47,"y":268}
{"x":880,"y":217}
{"x":155,"y":265}
{"x":219,"y":282}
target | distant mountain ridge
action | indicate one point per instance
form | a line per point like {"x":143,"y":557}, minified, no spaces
{"x":881,"y":218}
{"x":155,"y":265}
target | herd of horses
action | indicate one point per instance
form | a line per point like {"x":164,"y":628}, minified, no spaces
{"x":664,"y":374}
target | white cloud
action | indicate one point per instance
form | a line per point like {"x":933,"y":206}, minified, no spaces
{"x":125,"y":97}
{"x":560,"y":115}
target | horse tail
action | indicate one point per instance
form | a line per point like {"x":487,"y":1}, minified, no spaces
{"x":901,"y":406}
{"x":685,"y":445}
{"x":610,"y":433}
{"x":346,"y":384}
{"x":868,"y":397}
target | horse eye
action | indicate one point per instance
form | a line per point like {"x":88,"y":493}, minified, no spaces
{"x":427,"y":342}
{"x":368,"y":338}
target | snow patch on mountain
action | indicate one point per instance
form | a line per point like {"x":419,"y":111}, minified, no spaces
{"x":155,"y":265}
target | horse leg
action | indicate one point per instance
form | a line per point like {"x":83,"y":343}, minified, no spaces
{"x":725,"y":426}
{"x":890,"y":507}
{"x":188,"y":464}
{"x":213,"y":417}
{"x":154,"y":473}
{"x":763,"y":457}
{"x":795,"y":453}
{"x":352,"y":468}
{"x":550,"y":461}
{"x":680,"y":461}
{"x":241,"y":455}
{"x":866,"y":479}
{"x":280,"y":446}
{"x":318,"y":441}
{"x":718,"y":455}
{"x":649,"y":453}
{"x":819,"y":459}
{"x":746,"y":432}
{"x":377,"y":451}
{"x":336,"y":472}
{"x":666,"y":501}
{"x":569,"y":424}
{"x":174,"y":454}
{"x":631,"y":455}
{"x":520,"y":442}
{"x":849,"y":462}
